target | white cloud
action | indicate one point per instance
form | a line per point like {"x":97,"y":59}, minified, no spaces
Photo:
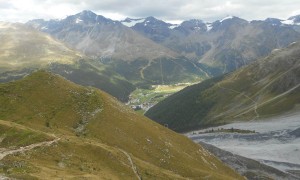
{"x":169,"y":10}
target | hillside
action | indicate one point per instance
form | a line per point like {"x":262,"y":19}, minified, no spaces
{"x":85,"y":133}
{"x":267,"y":87}
{"x":24,"y":49}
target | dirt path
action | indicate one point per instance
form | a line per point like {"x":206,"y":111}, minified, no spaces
{"x":133,"y":167}
{"x":3,"y":177}
{"x":274,"y":98}
{"x":255,"y":103}
{"x":145,"y":67}
{"x":201,"y":70}
{"x":5,"y":152}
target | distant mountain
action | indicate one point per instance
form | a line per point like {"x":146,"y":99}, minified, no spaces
{"x":155,"y":29}
{"x":227,"y":44}
{"x":134,"y":56}
{"x":97,"y":36}
{"x":24,"y":49}
{"x":293,"y":22}
{"x":267,"y":87}
{"x":52,"y":128}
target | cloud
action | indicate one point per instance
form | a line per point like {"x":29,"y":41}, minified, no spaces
{"x":170,"y":10}
{"x":5,"y":5}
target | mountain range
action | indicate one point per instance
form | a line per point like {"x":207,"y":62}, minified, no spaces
{"x":228,"y":44}
{"x":137,"y":58}
{"x":119,"y":56}
{"x":265,"y":88}
{"x":223,"y":45}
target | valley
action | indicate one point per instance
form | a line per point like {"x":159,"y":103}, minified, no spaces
{"x":142,"y":100}
{"x":88,"y":96}
{"x":274,"y":142}
{"x":265,"y":88}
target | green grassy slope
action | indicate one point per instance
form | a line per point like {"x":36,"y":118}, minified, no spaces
{"x":23,"y":47}
{"x":97,"y":137}
{"x":268,"y":87}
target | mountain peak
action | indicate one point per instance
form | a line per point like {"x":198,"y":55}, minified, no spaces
{"x":231,"y":18}
{"x":274,"y":21}
{"x":88,"y":17}
{"x":151,"y":18}
{"x":87,"y":13}
{"x":193,"y":25}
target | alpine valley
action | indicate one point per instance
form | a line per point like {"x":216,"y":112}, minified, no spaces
{"x":69,"y":88}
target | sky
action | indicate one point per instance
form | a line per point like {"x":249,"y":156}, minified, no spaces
{"x":167,"y":10}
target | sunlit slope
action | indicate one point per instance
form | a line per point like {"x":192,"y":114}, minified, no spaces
{"x":96,"y":136}
{"x":25,"y":47}
{"x":268,"y":87}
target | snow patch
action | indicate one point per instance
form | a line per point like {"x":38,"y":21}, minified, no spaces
{"x":209,"y":26}
{"x":226,"y":18}
{"x":78,"y":21}
{"x":173,"y":26}
{"x":288,"y":22}
{"x":197,"y":28}
{"x":293,"y":43}
{"x":132,"y":22}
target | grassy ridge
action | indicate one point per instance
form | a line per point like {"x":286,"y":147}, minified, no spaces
{"x":98,"y":135}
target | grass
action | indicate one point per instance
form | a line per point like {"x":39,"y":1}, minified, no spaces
{"x":108,"y":129}
{"x":12,"y":136}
